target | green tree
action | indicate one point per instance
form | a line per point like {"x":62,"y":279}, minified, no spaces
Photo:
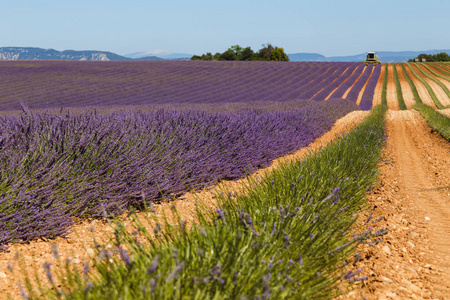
{"x":207,"y":56}
{"x":236,"y":52}
{"x":442,"y":57}
{"x":236,"y":49}
{"x":279,"y":55}
{"x":246,"y":54}
{"x":265,"y":53}
{"x":228,"y":55}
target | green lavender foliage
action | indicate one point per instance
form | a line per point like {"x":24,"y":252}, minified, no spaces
{"x":285,"y":237}
{"x":384,"y":91}
{"x":428,"y":87}
{"x":446,"y":90}
{"x":427,"y":65}
{"x":411,"y":84}
{"x":437,"y":121}
{"x":401,"y":101}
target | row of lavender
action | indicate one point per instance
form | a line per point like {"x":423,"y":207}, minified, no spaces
{"x":55,"y":84}
{"x":54,"y":168}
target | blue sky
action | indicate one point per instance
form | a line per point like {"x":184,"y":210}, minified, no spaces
{"x":197,"y":26}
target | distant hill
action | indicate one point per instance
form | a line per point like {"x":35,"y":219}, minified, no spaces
{"x":383,"y":56}
{"x":31,"y":53}
{"x":163,"y":54}
{"x":306,"y":57}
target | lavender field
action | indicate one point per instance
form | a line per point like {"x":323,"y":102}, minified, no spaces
{"x":62,"y":84}
{"x":57,"y":167}
{"x":186,"y":125}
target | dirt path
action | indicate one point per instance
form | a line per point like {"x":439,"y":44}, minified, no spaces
{"x":378,"y":88}
{"x":407,"y":93}
{"x":412,"y":201}
{"x":391,"y":90}
{"x":421,"y":89}
{"x":77,"y":246}
{"x":440,"y":93}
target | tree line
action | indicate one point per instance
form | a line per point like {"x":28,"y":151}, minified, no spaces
{"x":429,"y":57}
{"x":236,"y":52}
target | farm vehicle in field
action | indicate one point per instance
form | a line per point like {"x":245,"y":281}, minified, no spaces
{"x":371,"y":58}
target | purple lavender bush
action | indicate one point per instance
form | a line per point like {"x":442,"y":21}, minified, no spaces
{"x":339,"y":93}
{"x":57,"y":167}
{"x":367,"y":97}
{"x":356,"y":88}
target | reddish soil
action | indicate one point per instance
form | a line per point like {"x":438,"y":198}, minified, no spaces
{"x":78,"y":245}
{"x":439,"y":70}
{"x":445,"y":82}
{"x":421,"y":89}
{"x":408,"y":95}
{"x":412,"y":200}
{"x":391,"y":90}
{"x":440,"y":93}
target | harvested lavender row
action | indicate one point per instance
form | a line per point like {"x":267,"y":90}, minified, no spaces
{"x":367,"y":97}
{"x":54,"y":168}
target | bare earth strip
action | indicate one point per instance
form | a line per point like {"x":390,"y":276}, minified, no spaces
{"x":391,"y":90}
{"x":436,"y":69}
{"x":440,"y":94}
{"x":378,"y":89}
{"x":412,"y":202}
{"x":408,"y":95}
{"x":445,"y":82}
{"x":77,"y":246}
{"x":421,"y":89}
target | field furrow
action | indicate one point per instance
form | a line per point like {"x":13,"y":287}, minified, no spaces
{"x":391,"y":90}
{"x":421,"y":89}
{"x":408,"y":95}
{"x":440,"y":93}
{"x":379,"y":88}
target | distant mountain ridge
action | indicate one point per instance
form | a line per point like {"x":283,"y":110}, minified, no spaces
{"x":32,"y":53}
{"x":161,"y":54}
{"x":383,"y":56}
